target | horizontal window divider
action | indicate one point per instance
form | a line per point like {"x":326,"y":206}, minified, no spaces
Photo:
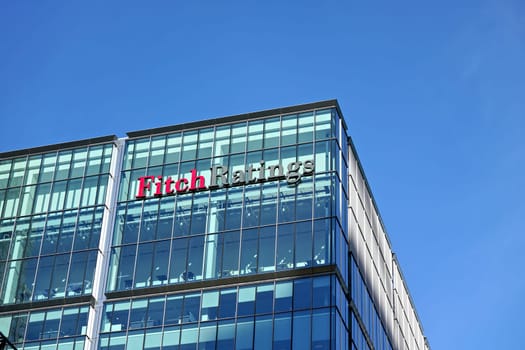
{"x":44,"y":304}
{"x":222,"y":282}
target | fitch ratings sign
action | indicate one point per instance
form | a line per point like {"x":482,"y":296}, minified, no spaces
{"x":157,"y":186}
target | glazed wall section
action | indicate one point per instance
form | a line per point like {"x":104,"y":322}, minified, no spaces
{"x":377,"y":267}
{"x":61,"y":328}
{"x":52,"y":206}
{"x":259,"y":227}
{"x":284,"y":314}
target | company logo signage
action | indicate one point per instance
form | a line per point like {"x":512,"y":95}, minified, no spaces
{"x":156,"y":185}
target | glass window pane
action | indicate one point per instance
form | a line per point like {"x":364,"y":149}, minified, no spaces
{"x":148,"y":225}
{"x":264,"y":299}
{"x":198,"y":214}
{"x":173,"y":147}
{"x":94,"y":160}
{"x":173,"y":311}
{"x":207,"y":335}
{"x":230,"y":263}
{"x":210,"y":304}
{"x":79,"y":163}
{"x":244,"y":334}
{"x":246,"y":303}
{"x":140,"y":155}
{"x":304,"y":199}
{"x":255,"y":135}
{"x":171,"y":338}
{"x":158,"y":144}
{"x":301,"y":330}
{"x":225,"y":335}
{"x":289,"y":130}
{"x":131,"y":228}
{"x":283,"y":296}
{"x":89,"y":192}
{"x":306,"y":127}
{"x":303,"y":244}
{"x":135,"y":340}
{"x":5,"y":170}
{"x":321,"y":291}
{"x":12,"y":199}
{"x":35,"y":236}
{"x":227,"y":303}
{"x":77,"y":282}
{"x":120,"y":316}
{"x":263,"y":332}
{"x":47,"y":168}
{"x":268,"y":204}
{"x":188,"y":338}
{"x":102,"y":187}
{"x":195,"y":259}
{"x":178,"y":259}
{"x":51,"y":233}
{"x":153,"y":340}
{"x":69,"y":322}
{"x":285,"y":235}
{"x":233,"y":208}
{"x":73,"y":193}
{"x":321,"y":242}
{"x":222,"y":141}
{"x":28,"y":196}
{"x":33,"y":170}
{"x":205,"y":143}
{"x":63,"y":165}
{"x":238,"y":140}
{"x":182,"y":216}
{"x":189,"y":145}
{"x":137,"y":316}
{"x":58,"y":195}
{"x":35,"y":325}
{"x":126,"y":267}
{"x":271,"y":132}
{"x":160,"y":263}
{"x":282,"y":332}
{"x":43,"y":279}
{"x":128,"y":155}
{"x":321,"y":336}
{"x":58,"y":281}
{"x":191,"y":308}
{"x":143,"y":268}
{"x":302,"y":294}
{"x":249,"y":251}
{"x":252,"y":202}
{"x":323,"y":124}
{"x":267,"y":249}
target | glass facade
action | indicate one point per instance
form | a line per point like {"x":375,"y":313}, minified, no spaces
{"x":52,"y":206}
{"x":63,"y":328}
{"x":226,"y":234}
{"x":255,"y":316}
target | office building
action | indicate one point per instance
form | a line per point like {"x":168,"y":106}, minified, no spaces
{"x":254,"y":231}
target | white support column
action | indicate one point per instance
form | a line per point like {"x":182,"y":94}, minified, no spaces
{"x":104,"y":248}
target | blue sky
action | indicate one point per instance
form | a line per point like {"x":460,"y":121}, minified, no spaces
{"x":433,"y":93}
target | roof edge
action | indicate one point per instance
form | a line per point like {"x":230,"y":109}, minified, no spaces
{"x":57,"y":146}
{"x":235,"y":118}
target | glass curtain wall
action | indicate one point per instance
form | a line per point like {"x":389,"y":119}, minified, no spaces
{"x":253,"y":222}
{"x":305,"y":313}
{"x":57,"y":328}
{"x":51,"y":208}
{"x":257,"y":227}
